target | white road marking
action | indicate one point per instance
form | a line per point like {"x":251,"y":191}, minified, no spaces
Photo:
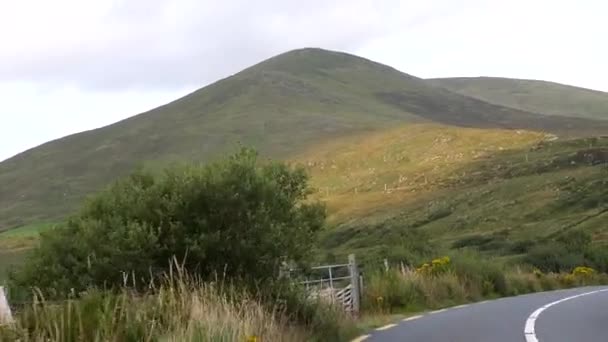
{"x":438,"y":311}
{"x":411,"y":318}
{"x":529,"y":329}
{"x":388,"y":326}
{"x":360,"y":338}
{"x":460,"y":306}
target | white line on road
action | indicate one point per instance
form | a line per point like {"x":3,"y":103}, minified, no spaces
{"x":388,"y":326}
{"x":438,"y":311}
{"x":529,"y":329}
{"x":460,"y":306}
{"x":411,"y":318}
{"x":360,"y":338}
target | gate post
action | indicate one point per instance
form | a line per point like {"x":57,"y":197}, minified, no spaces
{"x":354,"y":281}
{"x":5,"y":311}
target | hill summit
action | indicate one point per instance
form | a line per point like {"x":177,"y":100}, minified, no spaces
{"x":280,"y":106}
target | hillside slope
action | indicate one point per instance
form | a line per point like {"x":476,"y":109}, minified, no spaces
{"x":531,"y":95}
{"x":280,"y":106}
{"x":499,"y":191}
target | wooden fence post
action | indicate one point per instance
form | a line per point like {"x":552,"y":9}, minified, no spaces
{"x":5,"y":311}
{"x":354,"y":281}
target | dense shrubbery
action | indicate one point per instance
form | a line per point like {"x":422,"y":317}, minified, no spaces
{"x":234,"y":219}
{"x":460,"y":279}
{"x":568,"y":251}
{"x":560,"y":254}
{"x":226,"y":227}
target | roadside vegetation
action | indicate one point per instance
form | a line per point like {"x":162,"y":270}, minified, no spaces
{"x":168,"y":256}
{"x":193,"y":252}
{"x":15,"y":245}
{"x":465,"y":278}
{"x":180,"y":308}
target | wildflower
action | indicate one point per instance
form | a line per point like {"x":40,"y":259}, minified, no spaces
{"x":583,"y":271}
{"x":436,"y":266}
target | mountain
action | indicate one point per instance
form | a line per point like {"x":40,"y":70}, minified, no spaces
{"x":529,"y":95}
{"x":281,"y":106}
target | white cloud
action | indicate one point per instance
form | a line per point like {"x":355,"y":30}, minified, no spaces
{"x":70,"y":65}
{"x":33,"y":114}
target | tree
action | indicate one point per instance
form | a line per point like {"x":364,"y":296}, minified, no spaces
{"x":236,"y":218}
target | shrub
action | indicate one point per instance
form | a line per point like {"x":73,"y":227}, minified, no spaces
{"x":443,"y":289}
{"x":582,"y":271}
{"x":567,"y":280}
{"x":477,"y":270}
{"x":435,"y":267}
{"x":231,"y":219}
{"x":598,"y":258}
{"x":519,"y":282}
{"x":554,"y":257}
{"x":548,"y":282}
{"x":575,"y":241}
{"x":385,"y":291}
{"x":521,"y":246}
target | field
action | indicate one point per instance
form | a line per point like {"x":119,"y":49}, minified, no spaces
{"x":497,"y":191}
{"x":15,"y":245}
{"x":361,"y":175}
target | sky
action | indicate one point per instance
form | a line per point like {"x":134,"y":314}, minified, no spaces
{"x":71,"y":65}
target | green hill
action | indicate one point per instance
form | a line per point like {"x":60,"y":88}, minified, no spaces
{"x":497,"y":191}
{"x":281,"y":106}
{"x":534,"y":96}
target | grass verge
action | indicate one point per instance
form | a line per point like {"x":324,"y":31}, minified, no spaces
{"x":183,"y":310}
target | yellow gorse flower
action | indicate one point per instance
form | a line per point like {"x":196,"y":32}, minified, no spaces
{"x":436,"y":266}
{"x":583,"y":271}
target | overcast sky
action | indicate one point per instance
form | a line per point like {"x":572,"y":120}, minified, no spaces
{"x":72,"y":65}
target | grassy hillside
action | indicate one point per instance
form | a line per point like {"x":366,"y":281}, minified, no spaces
{"x":534,"y":96}
{"x":362,"y":175}
{"x":281,"y":106}
{"x":499,"y":191}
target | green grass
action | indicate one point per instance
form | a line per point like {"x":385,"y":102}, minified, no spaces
{"x":281,"y":106}
{"x":15,"y":244}
{"x":533,"y":96}
{"x":461,"y":188}
{"x":26,"y":231}
{"x":9,"y":259}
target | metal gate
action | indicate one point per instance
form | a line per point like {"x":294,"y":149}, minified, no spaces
{"x":339,"y":284}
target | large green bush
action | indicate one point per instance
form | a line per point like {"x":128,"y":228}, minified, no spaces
{"x":233,"y":219}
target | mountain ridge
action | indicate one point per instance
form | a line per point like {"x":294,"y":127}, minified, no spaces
{"x":537,"y":96}
{"x":279,"y":106}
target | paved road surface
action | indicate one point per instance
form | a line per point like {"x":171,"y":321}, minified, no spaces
{"x":571,"y":316}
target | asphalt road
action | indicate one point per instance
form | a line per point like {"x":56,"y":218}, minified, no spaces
{"x":559,"y":316}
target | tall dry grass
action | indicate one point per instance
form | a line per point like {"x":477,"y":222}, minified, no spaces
{"x":405,"y":289}
{"x":182,"y":310}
